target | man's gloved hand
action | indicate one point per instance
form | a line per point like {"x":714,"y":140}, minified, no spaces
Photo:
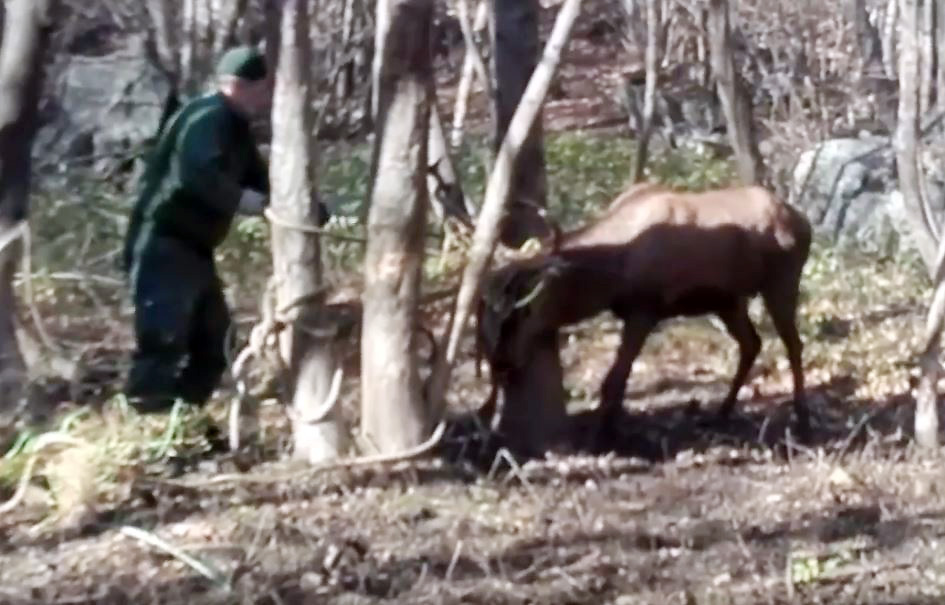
{"x":251,"y":202}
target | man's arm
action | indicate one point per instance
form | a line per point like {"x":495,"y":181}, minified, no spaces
{"x":199,"y":164}
{"x":257,"y":174}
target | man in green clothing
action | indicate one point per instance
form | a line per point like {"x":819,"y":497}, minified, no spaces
{"x":204,"y":168}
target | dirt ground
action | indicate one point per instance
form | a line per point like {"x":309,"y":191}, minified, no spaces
{"x":687,"y":512}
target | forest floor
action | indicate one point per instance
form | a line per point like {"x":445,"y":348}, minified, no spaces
{"x":684,"y":513}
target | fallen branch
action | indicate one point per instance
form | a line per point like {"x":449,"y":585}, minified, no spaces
{"x":201,"y":567}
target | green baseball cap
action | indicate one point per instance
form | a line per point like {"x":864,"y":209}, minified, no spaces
{"x":243,"y":62}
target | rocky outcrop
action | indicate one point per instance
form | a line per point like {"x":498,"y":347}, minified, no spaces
{"x":848,"y":189}
{"x":101,"y":108}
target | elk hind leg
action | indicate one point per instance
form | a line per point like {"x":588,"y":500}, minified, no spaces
{"x":781,"y":302}
{"x":739,"y":326}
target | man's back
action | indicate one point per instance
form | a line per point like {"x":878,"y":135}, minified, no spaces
{"x":191,"y":187}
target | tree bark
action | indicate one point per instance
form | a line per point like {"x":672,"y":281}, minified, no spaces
{"x":735,"y":101}
{"x":514,"y":27}
{"x":926,"y":55}
{"x":652,"y":72}
{"x":940,"y":56}
{"x":907,"y":163}
{"x":306,"y":344}
{"x":533,"y":417}
{"x":889,"y":37}
{"x":27,"y":28}
{"x":395,"y":415}
{"x":165,"y":31}
{"x":473,"y":66}
{"x":867,"y":37}
{"x":486,"y":235}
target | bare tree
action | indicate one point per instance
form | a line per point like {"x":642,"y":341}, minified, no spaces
{"x":649,"y":96}
{"x":306,"y":342}
{"x":186,"y":36}
{"x":395,"y":415}
{"x":736,"y":104}
{"x":514,"y":28}
{"x":26,"y":32}
{"x":907,"y":163}
{"x":890,"y":26}
{"x":940,"y":55}
{"x":926,"y":54}
{"x":473,"y":66}
{"x":867,"y":36}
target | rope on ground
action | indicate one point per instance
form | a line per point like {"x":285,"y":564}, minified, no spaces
{"x":351,"y":463}
{"x":21,"y":230}
{"x":42,"y":442}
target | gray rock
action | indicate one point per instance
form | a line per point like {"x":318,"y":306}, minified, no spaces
{"x":846,"y":188}
{"x":102,"y":108}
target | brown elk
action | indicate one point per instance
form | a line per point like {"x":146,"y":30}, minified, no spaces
{"x":656,"y":253}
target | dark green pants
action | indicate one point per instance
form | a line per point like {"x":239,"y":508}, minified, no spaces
{"x":181,"y":324}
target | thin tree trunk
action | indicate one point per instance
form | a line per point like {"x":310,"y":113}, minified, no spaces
{"x":735,"y":102}
{"x":382,"y":24}
{"x":926,"y":409}
{"x":649,"y":94}
{"x":940,"y":56}
{"x":472,"y":65}
{"x":26,"y":32}
{"x":227,"y":19}
{"x":306,"y":344}
{"x":395,"y":415}
{"x":926,"y":416}
{"x":345,"y":84}
{"x":890,"y":25}
{"x":867,"y":36}
{"x":445,"y":190}
{"x":165,"y":35}
{"x":926,"y":55}
{"x":514,"y":26}
{"x":486,"y":235}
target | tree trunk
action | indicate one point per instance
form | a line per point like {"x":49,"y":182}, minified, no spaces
{"x":226,"y":19}
{"x":26,"y":32}
{"x":514,"y":27}
{"x":926,"y":55}
{"x":165,"y":31}
{"x":533,"y":417}
{"x":867,"y":37}
{"x":395,"y":415}
{"x":940,"y":56}
{"x":473,"y":65}
{"x":889,"y":37}
{"x":542,"y":412}
{"x":306,"y":343}
{"x":736,"y":103}
{"x":652,"y":72}
{"x":926,"y":416}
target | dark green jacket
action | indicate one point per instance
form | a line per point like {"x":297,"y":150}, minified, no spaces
{"x":190,"y":190}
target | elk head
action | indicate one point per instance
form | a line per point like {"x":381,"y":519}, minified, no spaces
{"x":511,"y":311}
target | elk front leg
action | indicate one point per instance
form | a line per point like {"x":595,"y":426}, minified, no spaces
{"x":636,"y":328}
{"x":739,"y":326}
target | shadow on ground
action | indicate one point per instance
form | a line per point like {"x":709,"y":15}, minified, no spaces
{"x":658,"y":433}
